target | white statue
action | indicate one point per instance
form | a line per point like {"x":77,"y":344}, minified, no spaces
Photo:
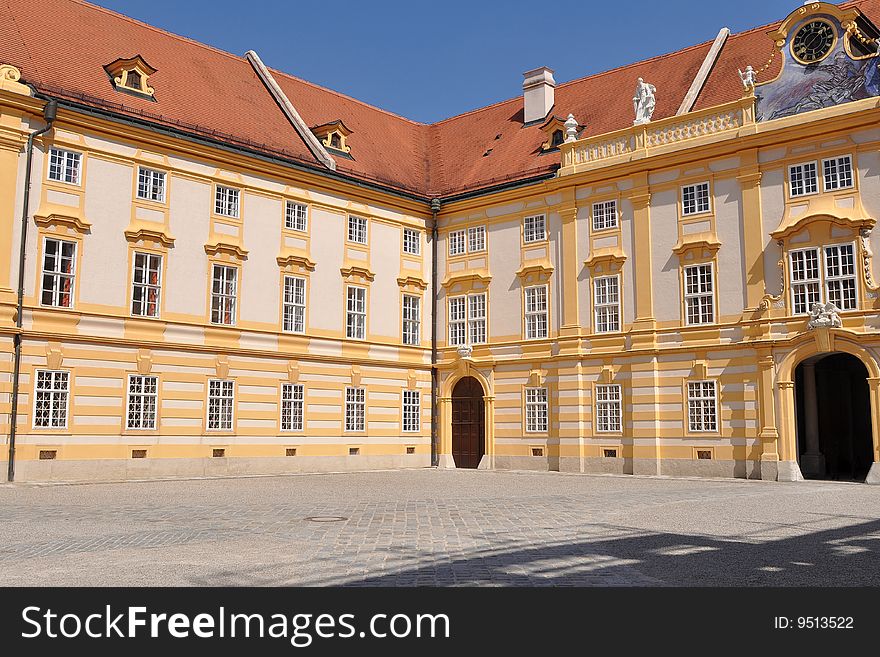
{"x":748,"y":77}
{"x":465,"y":351}
{"x":824,"y":316}
{"x":643,"y":102}
{"x":571,"y":129}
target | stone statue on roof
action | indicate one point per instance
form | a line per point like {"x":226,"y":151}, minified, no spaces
{"x":748,"y":77}
{"x":643,"y":102}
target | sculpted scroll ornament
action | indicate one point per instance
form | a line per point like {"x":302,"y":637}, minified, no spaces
{"x":776,"y":299}
{"x":867,"y":255}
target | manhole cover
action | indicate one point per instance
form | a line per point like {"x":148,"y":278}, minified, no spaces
{"x":326,"y":519}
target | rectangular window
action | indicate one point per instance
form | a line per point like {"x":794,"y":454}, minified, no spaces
{"x":412,"y":410}
{"x":151,"y":184}
{"x":59,"y":261}
{"x":292,"y":399}
{"x":64,"y":166}
{"x":802,"y":179}
{"x":456,"y":242}
{"x":695,"y":199}
{"x":457,"y":320}
{"x":476,"y":239}
{"x":477,"y":318}
{"x":840,"y":276}
{"x":146,"y":285}
{"x":226,"y":201}
{"x":699,"y":294}
{"x":357,"y":229}
{"x":356,"y":318}
{"x":355,"y":409}
{"x":604,"y":215}
{"x":295,"y":216}
{"x":294,"y":304}
{"x":606,"y":300}
{"x":221,"y":399}
{"x":412,"y":241}
{"x":536,"y":410}
{"x":224,"y":292}
{"x":536,"y":312}
{"x":702,"y":406}
{"x":805,"y":289}
{"x":412,"y":318}
{"x":609,"y":409}
{"x":51,"y":392}
{"x":143,"y":394}
{"x":837,"y":173}
{"x":534,"y":228}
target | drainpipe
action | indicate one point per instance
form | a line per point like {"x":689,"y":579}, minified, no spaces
{"x":49,"y":113}
{"x":435,"y":208}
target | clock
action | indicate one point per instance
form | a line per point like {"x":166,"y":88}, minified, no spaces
{"x":813,"y":41}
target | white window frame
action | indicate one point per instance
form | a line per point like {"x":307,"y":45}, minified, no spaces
{"x":296,"y":216}
{"x":534,"y":228}
{"x":411,"y":411}
{"x":537,"y":410}
{"x":357,"y":228}
{"x":292,"y":398}
{"x":606,"y":312}
{"x":412,"y":241}
{"x":356,"y":312}
{"x":224,"y":301}
{"x":837,"y":173}
{"x":54,"y":393}
{"x":840,"y":278}
{"x":478,"y":326}
{"x":701,"y":300}
{"x":537,"y":312}
{"x":151,"y":184}
{"x":697,"y":198}
{"x":219,"y":403}
{"x":141,"y":420}
{"x":476,"y":239}
{"x":604,"y":215}
{"x":702,"y":409}
{"x":144,"y":285}
{"x":293,"y":304}
{"x":813,"y":295}
{"x":227,"y":201}
{"x":808,"y":183}
{"x":609,"y":408}
{"x":355,"y":409}
{"x":457,"y":320}
{"x":58,"y":275}
{"x":457,"y":242}
{"x":65,"y":166}
{"x":411,"y":318}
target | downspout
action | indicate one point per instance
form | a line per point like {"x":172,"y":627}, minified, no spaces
{"x":435,"y":382}
{"x":49,"y":113}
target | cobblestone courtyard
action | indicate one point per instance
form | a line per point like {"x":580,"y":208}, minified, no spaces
{"x":431,"y":527}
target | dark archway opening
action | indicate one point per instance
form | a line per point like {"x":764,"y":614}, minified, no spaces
{"x":468,"y":423}
{"x":833,"y":418}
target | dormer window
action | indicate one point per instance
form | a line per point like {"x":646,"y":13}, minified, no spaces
{"x":131,"y":75}
{"x":333,"y":136}
{"x":557,"y":138}
{"x":554,"y":129}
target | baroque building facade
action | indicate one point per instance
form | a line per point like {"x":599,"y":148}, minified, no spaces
{"x":211,"y":267}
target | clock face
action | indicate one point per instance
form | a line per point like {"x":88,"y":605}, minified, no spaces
{"x":813,"y":41}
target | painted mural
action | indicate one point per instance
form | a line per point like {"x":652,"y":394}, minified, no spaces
{"x":802,"y":88}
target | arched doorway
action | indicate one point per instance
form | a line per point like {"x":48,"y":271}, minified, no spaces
{"x":468,"y":423}
{"x":834,"y":439}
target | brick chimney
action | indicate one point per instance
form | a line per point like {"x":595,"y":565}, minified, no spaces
{"x":538,"y":90}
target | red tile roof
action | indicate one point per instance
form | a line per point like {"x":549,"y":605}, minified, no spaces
{"x":211,"y":93}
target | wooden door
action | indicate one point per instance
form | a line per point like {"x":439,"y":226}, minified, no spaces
{"x":468,"y":423}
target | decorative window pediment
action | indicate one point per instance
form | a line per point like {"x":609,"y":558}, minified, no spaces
{"x":333,"y":136}
{"x":226,"y":250}
{"x":131,"y":75}
{"x":698,"y":245}
{"x":293,"y":261}
{"x":606,"y":259}
{"x":355,"y":272}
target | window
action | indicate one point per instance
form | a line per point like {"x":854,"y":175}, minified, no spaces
{"x":837,"y":173}
{"x":457,"y":320}
{"x":223,"y":294}
{"x":557,"y":139}
{"x":412,"y":318}
{"x":467,"y":319}
{"x":695,"y":198}
{"x":604,"y":215}
{"x":355,"y":409}
{"x":802,"y":179}
{"x":606,"y":302}
{"x":292,"y":398}
{"x":133,"y":80}
{"x":64,"y":166}
{"x":609,"y":411}
{"x":226,"y":201}
{"x":412,"y":411}
{"x":221,"y":398}
{"x":412,"y":241}
{"x":357,"y":229}
{"x":477,"y":318}
{"x":536,"y":312}
{"x":59,"y":261}
{"x":536,"y":410}
{"x":51,"y":392}
{"x":699,"y":295}
{"x":151,"y":184}
{"x":476,"y":239}
{"x":534,"y":229}
{"x":295,"y":216}
{"x":702,"y":406}
{"x":456,"y":242}
{"x":294,"y":320}
{"x":805,"y":289}
{"x":145,"y":285}
{"x":143,"y":393}
{"x":840,"y":276}
{"x":356,"y":319}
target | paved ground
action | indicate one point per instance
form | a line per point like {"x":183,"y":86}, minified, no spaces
{"x":431,"y":527}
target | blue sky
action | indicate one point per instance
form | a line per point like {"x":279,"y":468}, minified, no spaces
{"x":428,"y":61}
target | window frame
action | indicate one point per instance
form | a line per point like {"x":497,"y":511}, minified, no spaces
{"x":143,"y":395}
{"x":415,"y":238}
{"x":815,"y":179}
{"x":230,"y":397}
{"x":78,"y":168}
{"x":418,"y":411}
{"x":697,"y":211}
{"x":530,"y":235}
{"x":471,"y":232}
{"x":349,"y":313}
{"x":715,"y":406}
{"x":362,"y":404}
{"x":457,"y":237}
{"x":291,"y":219}
{"x":147,"y":286}
{"x":52,"y":394}
{"x":597,"y":306}
{"x":536,"y":314}
{"x":295,"y":306}
{"x":837,"y":160}
{"x":58,"y":275}
{"x":606,"y":226}
{"x":702,"y":294}
{"x":354,"y":220}
{"x":537,"y":410}
{"x":473,"y":321}
{"x":231,"y":198}
{"x":608,"y":403}
{"x":293,"y":400}
{"x":221,"y":296}
{"x":164,"y":186}
{"x":411,"y":326}
{"x":827,"y":278}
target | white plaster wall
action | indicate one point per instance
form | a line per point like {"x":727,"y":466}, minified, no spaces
{"x":730,"y":277}
{"x":505,"y":291}
{"x":664,"y":263}
{"x":869,"y":187}
{"x":260,"y":277}
{"x":583,"y":279}
{"x":385,"y":246}
{"x":628,"y":273}
{"x":186,"y":282}
{"x":327,"y":244}
{"x":557,"y":281}
{"x":772,"y":211}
